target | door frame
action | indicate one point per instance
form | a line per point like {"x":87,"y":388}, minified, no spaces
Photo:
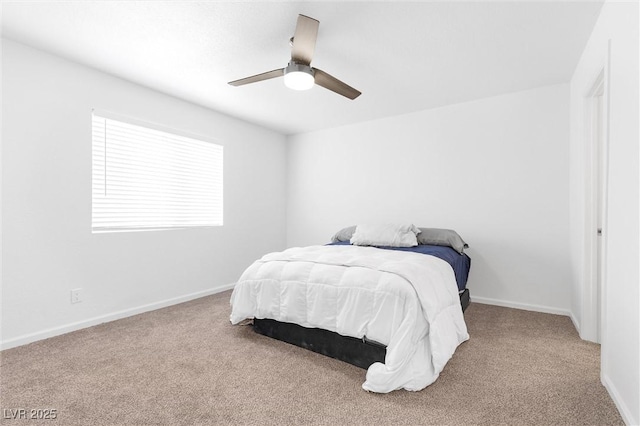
{"x":592,"y":302}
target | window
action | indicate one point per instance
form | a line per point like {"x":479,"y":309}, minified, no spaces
{"x":145,"y":178}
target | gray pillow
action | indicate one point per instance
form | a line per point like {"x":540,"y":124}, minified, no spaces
{"x":344,"y":234}
{"x":442,"y":237}
{"x":433,"y":236}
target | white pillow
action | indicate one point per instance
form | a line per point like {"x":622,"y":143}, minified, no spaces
{"x":390,"y":235}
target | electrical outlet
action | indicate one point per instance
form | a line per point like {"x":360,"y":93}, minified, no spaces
{"x":76,"y":295}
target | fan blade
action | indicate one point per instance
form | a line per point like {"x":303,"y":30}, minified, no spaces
{"x":304,"y":40}
{"x":258,"y":77}
{"x":329,"y":82}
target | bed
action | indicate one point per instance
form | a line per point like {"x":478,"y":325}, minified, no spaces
{"x":397,"y":311}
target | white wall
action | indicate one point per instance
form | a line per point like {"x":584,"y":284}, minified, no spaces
{"x":48,"y":247}
{"x":495,"y":170}
{"x":617,"y":24}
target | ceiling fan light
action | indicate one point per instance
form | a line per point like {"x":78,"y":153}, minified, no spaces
{"x":298,"y":77}
{"x":298,"y":80}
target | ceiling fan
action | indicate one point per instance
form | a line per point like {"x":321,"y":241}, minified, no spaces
{"x":299,"y":74}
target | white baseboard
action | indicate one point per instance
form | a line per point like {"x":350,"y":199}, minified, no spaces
{"x":575,"y":322}
{"x":523,"y":306}
{"x":615,"y":396}
{"x":67,"y":328}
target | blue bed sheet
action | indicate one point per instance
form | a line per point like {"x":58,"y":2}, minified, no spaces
{"x":461,"y":263}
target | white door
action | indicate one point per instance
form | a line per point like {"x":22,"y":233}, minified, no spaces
{"x":595,"y":219}
{"x":598,"y":134}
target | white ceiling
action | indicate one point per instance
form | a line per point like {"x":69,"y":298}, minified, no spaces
{"x":403,"y":56}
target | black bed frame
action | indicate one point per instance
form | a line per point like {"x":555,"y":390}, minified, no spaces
{"x":359,"y":352}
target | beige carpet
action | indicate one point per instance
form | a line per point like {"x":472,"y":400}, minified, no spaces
{"x":187,"y":365}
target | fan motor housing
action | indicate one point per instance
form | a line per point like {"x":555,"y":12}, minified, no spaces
{"x":296,"y":67}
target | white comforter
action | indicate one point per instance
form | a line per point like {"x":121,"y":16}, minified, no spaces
{"x":407,"y":301}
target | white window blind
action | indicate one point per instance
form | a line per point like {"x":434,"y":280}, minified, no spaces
{"x":145,"y":178}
